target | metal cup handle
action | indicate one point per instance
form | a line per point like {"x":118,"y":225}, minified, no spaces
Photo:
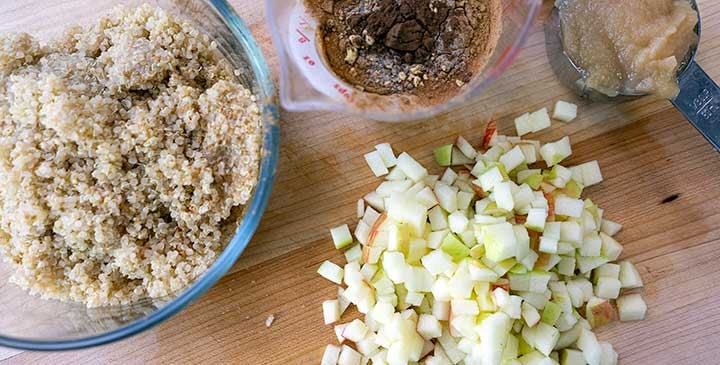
{"x":699,"y":101}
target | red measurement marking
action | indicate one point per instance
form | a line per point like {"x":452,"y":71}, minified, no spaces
{"x":309,"y":60}
{"x":343,"y":91}
{"x":304,"y":21}
{"x":303,"y":38}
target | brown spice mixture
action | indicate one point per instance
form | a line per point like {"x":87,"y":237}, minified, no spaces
{"x":422,"y":47}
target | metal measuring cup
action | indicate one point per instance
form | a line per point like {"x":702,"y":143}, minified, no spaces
{"x":698,"y":100}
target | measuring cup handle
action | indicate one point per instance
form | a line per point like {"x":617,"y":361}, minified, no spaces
{"x":699,"y":101}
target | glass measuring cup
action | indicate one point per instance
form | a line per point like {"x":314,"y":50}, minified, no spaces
{"x":699,"y":97}
{"x":307,"y":83}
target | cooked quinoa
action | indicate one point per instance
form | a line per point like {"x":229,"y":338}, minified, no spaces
{"x":126,"y":150}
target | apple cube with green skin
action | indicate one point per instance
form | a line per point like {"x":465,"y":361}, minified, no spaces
{"x":610,"y":247}
{"x":443,"y":155}
{"x":608,"y":288}
{"x":572,"y":357}
{"x":631,"y":307}
{"x":551,"y":313}
{"x":629,"y":276}
{"x":499,"y":241}
{"x":599,"y":312}
{"x":341,"y":236}
{"x":536,"y":219}
{"x":555,"y":152}
{"x":454,"y":247}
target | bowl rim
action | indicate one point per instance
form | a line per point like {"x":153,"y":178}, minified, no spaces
{"x":245,"y":231}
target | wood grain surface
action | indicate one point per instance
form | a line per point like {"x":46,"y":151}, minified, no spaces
{"x":647,"y":151}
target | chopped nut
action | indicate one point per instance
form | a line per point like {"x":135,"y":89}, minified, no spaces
{"x":459,"y":83}
{"x":351,"y":55}
{"x":402,"y":76}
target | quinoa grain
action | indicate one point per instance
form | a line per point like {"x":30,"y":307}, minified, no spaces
{"x":127,"y":149}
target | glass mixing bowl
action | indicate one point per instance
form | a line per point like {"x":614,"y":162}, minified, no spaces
{"x":307,"y":83}
{"x":28,"y":322}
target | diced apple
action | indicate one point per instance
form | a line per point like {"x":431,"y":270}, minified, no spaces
{"x":387,"y":154}
{"x":548,"y":245}
{"x":376,"y":163}
{"x":441,"y":309}
{"x":631,"y":307}
{"x":513,"y":158}
{"x":568,"y":206}
{"x":542,"y":337}
{"x":331,"y":355}
{"x":493,"y":331}
{"x":610,"y":247}
{"x":499,"y":241}
{"x":572,"y":357}
{"x":609,"y":356}
{"x":536,"y":219}
{"x":530,"y":314}
{"x":491,"y":178}
{"x":588,"y":343}
{"x":565,"y":111}
{"x":555,"y":152}
{"x":503,"y":196}
{"x":459,"y":159}
{"x":609,"y":227}
{"x":410,"y":167}
{"x":629,"y":276}
{"x":330,"y":271}
{"x":429,"y":327}
{"x":458,"y":222}
{"x":454,"y":247}
{"x":540,"y":120}
{"x":523,"y":124}
{"x":606,"y":271}
{"x":587,"y":263}
{"x":465,"y":147}
{"x":341,"y":236}
{"x":447,"y":197}
{"x":551,"y":313}
{"x":599,"y":312}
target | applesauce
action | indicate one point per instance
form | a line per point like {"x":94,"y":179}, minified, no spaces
{"x":628,"y":47}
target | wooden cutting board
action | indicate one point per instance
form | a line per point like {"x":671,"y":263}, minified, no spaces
{"x":662,"y":182}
